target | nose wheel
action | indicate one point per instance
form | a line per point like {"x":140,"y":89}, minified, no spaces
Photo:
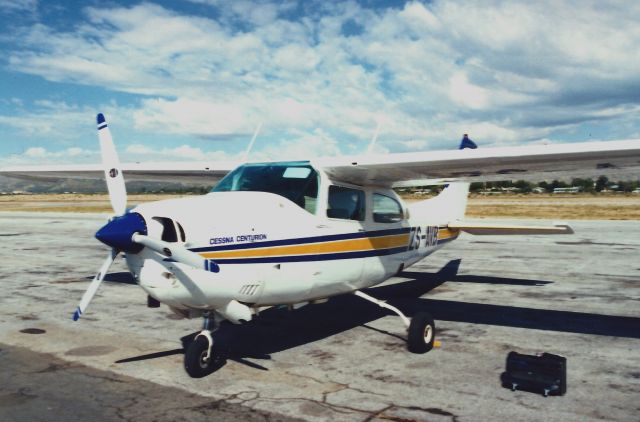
{"x":201,"y":357}
{"x":198,"y":360}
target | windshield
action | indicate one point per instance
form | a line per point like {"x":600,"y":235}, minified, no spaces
{"x":296,"y":181}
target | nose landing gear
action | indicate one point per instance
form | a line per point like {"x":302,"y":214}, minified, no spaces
{"x":201,"y":358}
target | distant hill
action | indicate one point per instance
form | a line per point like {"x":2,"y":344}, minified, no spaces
{"x":9,"y":184}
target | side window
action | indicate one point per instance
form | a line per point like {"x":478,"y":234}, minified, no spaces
{"x":346,"y":203}
{"x":386,"y":209}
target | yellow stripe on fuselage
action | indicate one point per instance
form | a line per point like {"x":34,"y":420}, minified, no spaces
{"x":382,"y":242}
{"x":446,"y":233}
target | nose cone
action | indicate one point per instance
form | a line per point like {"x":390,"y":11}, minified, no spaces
{"x":117,"y":233}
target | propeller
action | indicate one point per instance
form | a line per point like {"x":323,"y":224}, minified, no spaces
{"x":112,"y":172}
{"x":93,"y":287}
{"x":117,"y":196}
{"x":127,"y":232}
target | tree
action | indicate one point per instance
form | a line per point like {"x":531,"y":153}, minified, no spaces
{"x":476,"y":186}
{"x":545,"y":185}
{"x":602,"y":183}
{"x":585,"y":185}
{"x":523,"y":186}
{"x":557,"y":184}
{"x":625,"y":186}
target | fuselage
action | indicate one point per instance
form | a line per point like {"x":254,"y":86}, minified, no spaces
{"x":314,"y":239}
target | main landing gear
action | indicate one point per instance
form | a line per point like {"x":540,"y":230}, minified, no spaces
{"x":201,"y":358}
{"x":421,"y":328}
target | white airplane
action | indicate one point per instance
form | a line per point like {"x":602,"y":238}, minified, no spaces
{"x":296,"y":233}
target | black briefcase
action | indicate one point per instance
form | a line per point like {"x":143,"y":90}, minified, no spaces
{"x":545,"y":373}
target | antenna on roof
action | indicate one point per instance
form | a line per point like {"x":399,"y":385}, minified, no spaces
{"x":253,"y":140}
{"x":374,"y":139}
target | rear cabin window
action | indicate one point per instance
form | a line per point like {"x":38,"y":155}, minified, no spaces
{"x":346,"y":203}
{"x":386,"y":209}
{"x":295,"y":181}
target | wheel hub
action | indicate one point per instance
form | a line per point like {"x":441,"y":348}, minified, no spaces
{"x":428,"y":333}
{"x":204,"y":361}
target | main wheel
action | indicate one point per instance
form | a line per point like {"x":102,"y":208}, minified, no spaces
{"x":195,"y":362}
{"x":422,"y":333}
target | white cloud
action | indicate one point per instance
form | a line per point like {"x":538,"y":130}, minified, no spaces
{"x":419,"y":17}
{"x":40,"y":155}
{"x":18,"y":5}
{"x":196,"y":117}
{"x":465,"y":93}
{"x":508,"y":72}
{"x":47,"y":119}
{"x":35,"y":152}
{"x":295,"y":57}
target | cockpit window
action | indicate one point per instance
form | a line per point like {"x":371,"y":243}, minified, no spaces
{"x":386,"y":209}
{"x":296,"y":181}
{"x":346,"y":203}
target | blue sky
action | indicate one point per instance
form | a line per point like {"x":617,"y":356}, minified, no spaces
{"x":190,"y":80}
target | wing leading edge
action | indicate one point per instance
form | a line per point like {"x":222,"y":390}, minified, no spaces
{"x":477,"y":165}
{"x":195,"y":173}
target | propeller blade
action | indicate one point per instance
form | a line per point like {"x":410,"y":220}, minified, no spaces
{"x":177,"y":253}
{"x":93,"y":287}
{"x":112,"y":171}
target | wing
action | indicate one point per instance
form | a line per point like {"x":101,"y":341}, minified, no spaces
{"x":196,"y":173}
{"x":477,"y":165}
{"x":397,"y":170}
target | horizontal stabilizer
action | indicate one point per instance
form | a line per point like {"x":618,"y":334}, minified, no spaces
{"x":502,"y":229}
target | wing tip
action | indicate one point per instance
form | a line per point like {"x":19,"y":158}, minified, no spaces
{"x":567,"y":228}
{"x":467,"y":143}
{"x":76,"y":314}
{"x":102,"y":122}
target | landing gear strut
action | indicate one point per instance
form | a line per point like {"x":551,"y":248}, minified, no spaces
{"x":201,"y":358}
{"x":421,"y":328}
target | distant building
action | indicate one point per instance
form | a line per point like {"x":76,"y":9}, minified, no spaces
{"x":572,"y":189}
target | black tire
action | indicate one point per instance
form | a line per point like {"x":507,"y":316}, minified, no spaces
{"x":194,"y":358}
{"x":422,"y":333}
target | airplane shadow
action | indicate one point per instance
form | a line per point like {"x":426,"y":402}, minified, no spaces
{"x":123,"y":277}
{"x":279,"y":329}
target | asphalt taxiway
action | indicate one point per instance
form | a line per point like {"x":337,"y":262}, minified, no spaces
{"x":577,"y":296}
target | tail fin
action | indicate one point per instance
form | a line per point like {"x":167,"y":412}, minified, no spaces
{"x":447,"y":207}
{"x":451,"y":204}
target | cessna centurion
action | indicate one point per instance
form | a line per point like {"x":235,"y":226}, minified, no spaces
{"x":292,"y":233}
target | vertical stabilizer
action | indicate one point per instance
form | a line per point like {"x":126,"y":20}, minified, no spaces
{"x":445,"y":208}
{"x":451,"y":204}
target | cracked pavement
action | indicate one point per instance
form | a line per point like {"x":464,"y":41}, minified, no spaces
{"x":343,"y":360}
